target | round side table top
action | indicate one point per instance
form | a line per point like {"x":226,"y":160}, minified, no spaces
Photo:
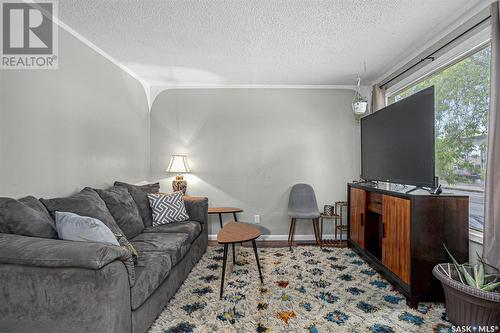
{"x":236,"y":232}
{"x":224,"y":210}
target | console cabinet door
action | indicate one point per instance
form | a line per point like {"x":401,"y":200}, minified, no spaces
{"x":357,"y":216}
{"x":396,"y":236}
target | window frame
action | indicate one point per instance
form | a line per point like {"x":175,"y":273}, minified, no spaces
{"x":450,"y":58}
{"x":475,"y":44}
{"x":438,"y":69}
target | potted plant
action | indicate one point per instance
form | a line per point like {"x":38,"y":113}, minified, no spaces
{"x":359,"y":105}
{"x":472,"y":295}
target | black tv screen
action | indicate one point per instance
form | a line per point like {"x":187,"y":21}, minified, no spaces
{"x":397,"y":142}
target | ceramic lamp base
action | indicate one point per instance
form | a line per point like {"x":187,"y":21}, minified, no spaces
{"x":179,"y":184}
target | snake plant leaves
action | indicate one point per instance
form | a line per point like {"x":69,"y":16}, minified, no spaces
{"x":491,"y":287}
{"x":476,"y":278}
{"x":481,"y":275}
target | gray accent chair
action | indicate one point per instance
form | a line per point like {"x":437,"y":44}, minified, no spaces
{"x":52,"y":285}
{"x":302,"y":204}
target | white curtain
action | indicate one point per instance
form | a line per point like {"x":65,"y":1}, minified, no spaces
{"x":491,"y":239}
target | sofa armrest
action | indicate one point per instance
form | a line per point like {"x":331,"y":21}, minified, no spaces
{"x":197,"y":208}
{"x":64,"y":299}
{"x":45,"y":252}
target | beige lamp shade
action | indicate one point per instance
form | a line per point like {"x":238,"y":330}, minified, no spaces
{"x":178,"y":164}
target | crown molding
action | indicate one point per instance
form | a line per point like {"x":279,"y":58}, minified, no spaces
{"x":157,"y":90}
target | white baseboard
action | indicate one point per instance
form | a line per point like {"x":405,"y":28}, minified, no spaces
{"x":281,"y":237}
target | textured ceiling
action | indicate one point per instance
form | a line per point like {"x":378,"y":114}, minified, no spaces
{"x":304,"y":42}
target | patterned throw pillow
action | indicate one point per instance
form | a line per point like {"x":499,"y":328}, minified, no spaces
{"x":167,"y":208}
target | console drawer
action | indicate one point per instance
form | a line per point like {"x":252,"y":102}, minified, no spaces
{"x":374,"y":202}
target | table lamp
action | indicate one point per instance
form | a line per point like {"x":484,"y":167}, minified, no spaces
{"x":178,"y":164}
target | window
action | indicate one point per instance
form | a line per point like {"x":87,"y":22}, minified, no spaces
{"x":462,"y":103}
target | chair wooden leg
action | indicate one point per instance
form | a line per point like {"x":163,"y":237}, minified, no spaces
{"x":320,"y":235}
{"x":317,"y":231}
{"x":291,"y":232}
{"x":320,"y":231}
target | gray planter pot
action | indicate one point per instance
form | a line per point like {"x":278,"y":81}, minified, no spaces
{"x":467,"y":306}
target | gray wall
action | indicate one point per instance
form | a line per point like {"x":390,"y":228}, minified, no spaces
{"x":247,"y":147}
{"x":86,"y":123}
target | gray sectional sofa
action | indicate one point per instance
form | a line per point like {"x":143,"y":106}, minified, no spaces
{"x":52,"y":285}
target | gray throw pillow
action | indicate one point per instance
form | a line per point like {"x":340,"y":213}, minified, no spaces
{"x":26,"y":217}
{"x":85,"y":203}
{"x":139,"y":194}
{"x":168,"y":208}
{"x":74,"y":227}
{"x":124,"y":210}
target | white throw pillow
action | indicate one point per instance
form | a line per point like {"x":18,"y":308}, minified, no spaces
{"x":74,"y":227}
{"x":167,"y":208}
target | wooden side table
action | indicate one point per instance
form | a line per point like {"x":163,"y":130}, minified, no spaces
{"x":337,"y":218}
{"x":225,"y":210}
{"x":232,"y":233}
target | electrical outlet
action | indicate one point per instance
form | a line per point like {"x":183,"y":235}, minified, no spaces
{"x":256,"y":219}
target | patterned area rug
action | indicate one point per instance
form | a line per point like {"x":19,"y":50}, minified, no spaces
{"x":309,"y":290}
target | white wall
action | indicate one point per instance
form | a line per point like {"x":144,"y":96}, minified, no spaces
{"x":86,"y":123}
{"x":247,"y":147}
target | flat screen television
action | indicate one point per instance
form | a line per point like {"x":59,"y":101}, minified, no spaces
{"x":397,"y":142}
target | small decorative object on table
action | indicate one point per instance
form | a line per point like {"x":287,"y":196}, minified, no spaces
{"x":339,"y":227}
{"x":179,"y":164}
{"x":328,"y":210}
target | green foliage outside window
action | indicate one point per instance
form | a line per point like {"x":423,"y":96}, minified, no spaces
{"x":462,"y":101}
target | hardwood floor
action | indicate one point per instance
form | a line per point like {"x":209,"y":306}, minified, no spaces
{"x":263,"y":244}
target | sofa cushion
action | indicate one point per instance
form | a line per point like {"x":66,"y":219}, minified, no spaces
{"x":139,"y":194}
{"x":151,"y":270}
{"x":26,"y":217}
{"x":176,"y":245}
{"x":85,"y":203}
{"x":167,"y":208}
{"x":122,"y":207}
{"x":191,"y":228}
{"x":149,"y":188}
